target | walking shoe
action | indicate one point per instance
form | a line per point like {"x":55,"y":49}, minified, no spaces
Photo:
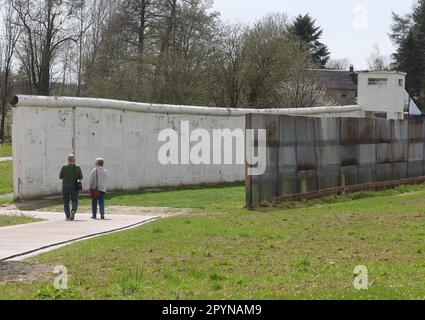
{"x":94,"y":218}
{"x":72,"y":215}
{"x":103,"y":218}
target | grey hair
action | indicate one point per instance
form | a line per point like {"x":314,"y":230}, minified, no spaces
{"x":71,"y":157}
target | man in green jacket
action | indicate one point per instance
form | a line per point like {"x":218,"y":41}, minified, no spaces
{"x":70,"y":174}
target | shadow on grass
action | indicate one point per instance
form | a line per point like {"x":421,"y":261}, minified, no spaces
{"x":157,"y":197}
{"x":227,"y":196}
{"x":352,"y":197}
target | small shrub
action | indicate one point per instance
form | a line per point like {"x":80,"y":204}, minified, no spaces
{"x":51,"y":293}
{"x":131,"y":282}
{"x":217,"y":287}
{"x":216,"y":277}
{"x":304,"y":264}
{"x":157,"y":230}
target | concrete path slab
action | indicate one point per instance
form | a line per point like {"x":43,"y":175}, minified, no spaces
{"x":22,"y":241}
{"x":2,"y":159}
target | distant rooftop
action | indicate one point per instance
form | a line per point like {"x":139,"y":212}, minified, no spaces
{"x":383,"y":72}
{"x":335,"y":79}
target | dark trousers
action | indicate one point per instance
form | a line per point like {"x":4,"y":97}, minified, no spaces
{"x":69,"y":194}
{"x":101,"y":201}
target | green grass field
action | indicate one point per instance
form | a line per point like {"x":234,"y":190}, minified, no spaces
{"x":5,"y":150}
{"x":6,"y":181}
{"x":211,"y":197}
{"x":6,"y":221}
{"x":222,"y":251}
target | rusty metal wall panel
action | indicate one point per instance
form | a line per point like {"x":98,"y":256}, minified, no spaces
{"x":400,"y":140}
{"x":349,"y":175}
{"x":367,"y":172}
{"x":349,"y":131}
{"x":265,"y":187}
{"x":288,"y":178}
{"x":367,"y":131}
{"x":327,"y":133}
{"x":249,"y":201}
{"x":307,"y":181}
{"x":349,"y":142}
{"x":329,"y":177}
{"x":399,"y":171}
{"x":310,"y":154}
{"x":416,"y":148}
{"x":423,"y":139}
{"x":384,"y":149}
{"x":367,"y":151}
{"x":349,"y":151}
{"x":268,"y":182}
{"x":305,"y":143}
{"x":306,"y":154}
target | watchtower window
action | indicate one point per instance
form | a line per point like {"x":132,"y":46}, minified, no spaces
{"x":380,"y":82}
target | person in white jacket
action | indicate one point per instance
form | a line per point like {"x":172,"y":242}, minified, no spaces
{"x":98,"y":180}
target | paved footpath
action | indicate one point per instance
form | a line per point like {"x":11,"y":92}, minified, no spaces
{"x":22,"y":241}
{"x":6,"y":159}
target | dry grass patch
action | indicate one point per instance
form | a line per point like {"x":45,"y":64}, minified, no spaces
{"x":23,"y":272}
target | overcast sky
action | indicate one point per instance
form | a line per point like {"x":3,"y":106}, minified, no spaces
{"x":351,"y":27}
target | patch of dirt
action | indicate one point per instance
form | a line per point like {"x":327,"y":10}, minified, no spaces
{"x":419,"y":202}
{"x":28,"y":205}
{"x":18,"y":272}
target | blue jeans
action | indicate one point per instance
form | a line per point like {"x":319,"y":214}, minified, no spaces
{"x":69,"y":194}
{"x":101,"y":201}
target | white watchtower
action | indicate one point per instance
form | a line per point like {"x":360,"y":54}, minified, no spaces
{"x":382,"y":92}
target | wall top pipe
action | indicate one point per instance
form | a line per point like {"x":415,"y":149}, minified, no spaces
{"x":70,"y":102}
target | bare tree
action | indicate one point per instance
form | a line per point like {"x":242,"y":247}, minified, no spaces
{"x":272,"y":56}
{"x":84,"y":23}
{"x":257,"y":66}
{"x":139,"y":15}
{"x":45,"y":25}
{"x":183,"y":63}
{"x":379,"y":62}
{"x":339,"y":64}
{"x":228,"y":69}
{"x":303,"y":92}
{"x":166,"y":51}
{"x":11,"y":36}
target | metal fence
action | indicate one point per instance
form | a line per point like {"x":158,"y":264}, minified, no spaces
{"x":305,"y":155}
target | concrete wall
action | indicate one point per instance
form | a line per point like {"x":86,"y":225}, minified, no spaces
{"x":46,"y":129}
{"x":127,"y":140}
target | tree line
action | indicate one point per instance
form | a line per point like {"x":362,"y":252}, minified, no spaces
{"x":180,"y":52}
{"x":157,"y":51}
{"x":408,"y":34}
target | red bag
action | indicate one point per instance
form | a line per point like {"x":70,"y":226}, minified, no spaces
{"x":94,"y":193}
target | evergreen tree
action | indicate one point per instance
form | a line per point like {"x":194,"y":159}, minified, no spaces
{"x":304,"y":28}
{"x":408,"y":34}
